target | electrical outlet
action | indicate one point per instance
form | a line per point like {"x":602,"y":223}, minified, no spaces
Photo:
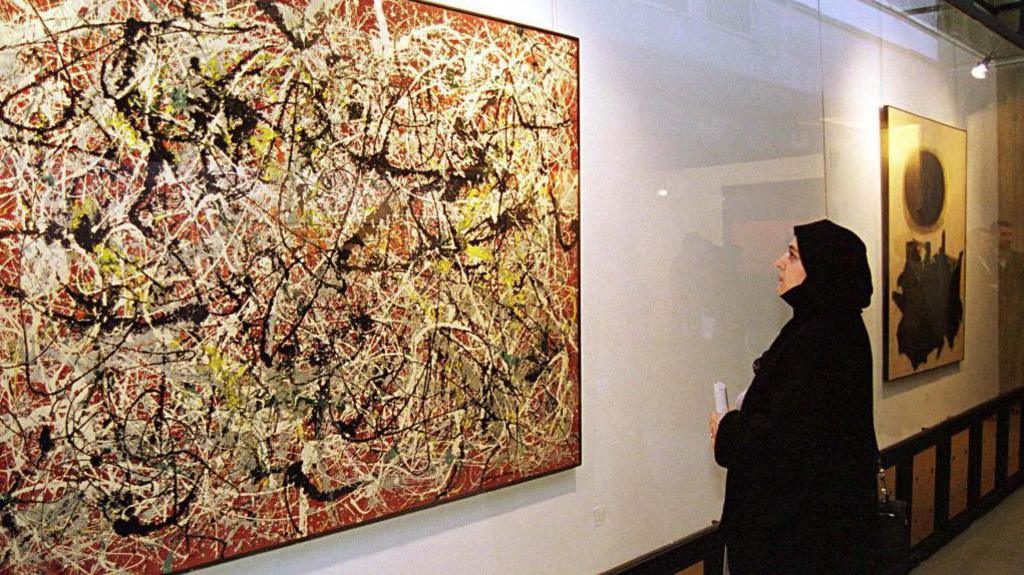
{"x":600,"y":516}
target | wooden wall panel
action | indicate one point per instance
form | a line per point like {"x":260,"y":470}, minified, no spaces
{"x":1011,"y":142}
{"x":922,"y":518}
{"x":988,"y":455}
{"x":697,"y":569}
{"x":959,"y":455}
{"x":1013,"y":446}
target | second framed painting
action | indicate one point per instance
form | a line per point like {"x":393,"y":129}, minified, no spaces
{"x":924,"y":184}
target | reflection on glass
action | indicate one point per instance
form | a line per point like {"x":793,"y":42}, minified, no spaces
{"x":713,"y":111}
{"x":1011,"y":306}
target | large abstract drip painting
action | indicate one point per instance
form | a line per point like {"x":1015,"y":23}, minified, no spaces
{"x":273,"y":269}
{"x":924,"y":179}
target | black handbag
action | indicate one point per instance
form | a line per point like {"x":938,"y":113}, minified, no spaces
{"x":892,"y":545}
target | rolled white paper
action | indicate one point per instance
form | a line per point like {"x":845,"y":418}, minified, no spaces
{"x":721,"y":397}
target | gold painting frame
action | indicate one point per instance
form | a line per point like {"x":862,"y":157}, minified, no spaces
{"x":924,"y":188}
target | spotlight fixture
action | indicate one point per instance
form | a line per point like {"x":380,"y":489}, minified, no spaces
{"x":981,"y":70}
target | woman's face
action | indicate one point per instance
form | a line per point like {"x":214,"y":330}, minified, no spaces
{"x":791,"y":269}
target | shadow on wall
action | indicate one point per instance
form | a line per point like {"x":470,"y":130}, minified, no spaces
{"x":923,"y":379}
{"x":732,"y":311}
{"x":322,"y":554}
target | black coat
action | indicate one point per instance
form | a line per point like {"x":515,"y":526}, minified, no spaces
{"x":801,"y":453}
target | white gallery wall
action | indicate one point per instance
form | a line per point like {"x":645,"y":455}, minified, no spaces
{"x":709,"y":128}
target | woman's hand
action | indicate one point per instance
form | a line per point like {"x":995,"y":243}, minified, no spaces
{"x":713,"y":426}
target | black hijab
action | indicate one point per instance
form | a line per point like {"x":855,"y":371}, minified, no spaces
{"x":838,"y":281}
{"x":838,"y":275}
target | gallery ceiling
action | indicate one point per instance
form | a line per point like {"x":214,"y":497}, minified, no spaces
{"x":992,"y":27}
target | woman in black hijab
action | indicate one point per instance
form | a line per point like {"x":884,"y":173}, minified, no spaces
{"x":801,"y":451}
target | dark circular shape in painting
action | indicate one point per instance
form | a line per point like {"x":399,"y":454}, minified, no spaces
{"x":924,"y":188}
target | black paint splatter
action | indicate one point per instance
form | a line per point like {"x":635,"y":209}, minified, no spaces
{"x":930,"y":301}
{"x":45,"y":441}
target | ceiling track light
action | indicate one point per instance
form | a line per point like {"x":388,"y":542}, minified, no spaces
{"x":980,"y":71}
